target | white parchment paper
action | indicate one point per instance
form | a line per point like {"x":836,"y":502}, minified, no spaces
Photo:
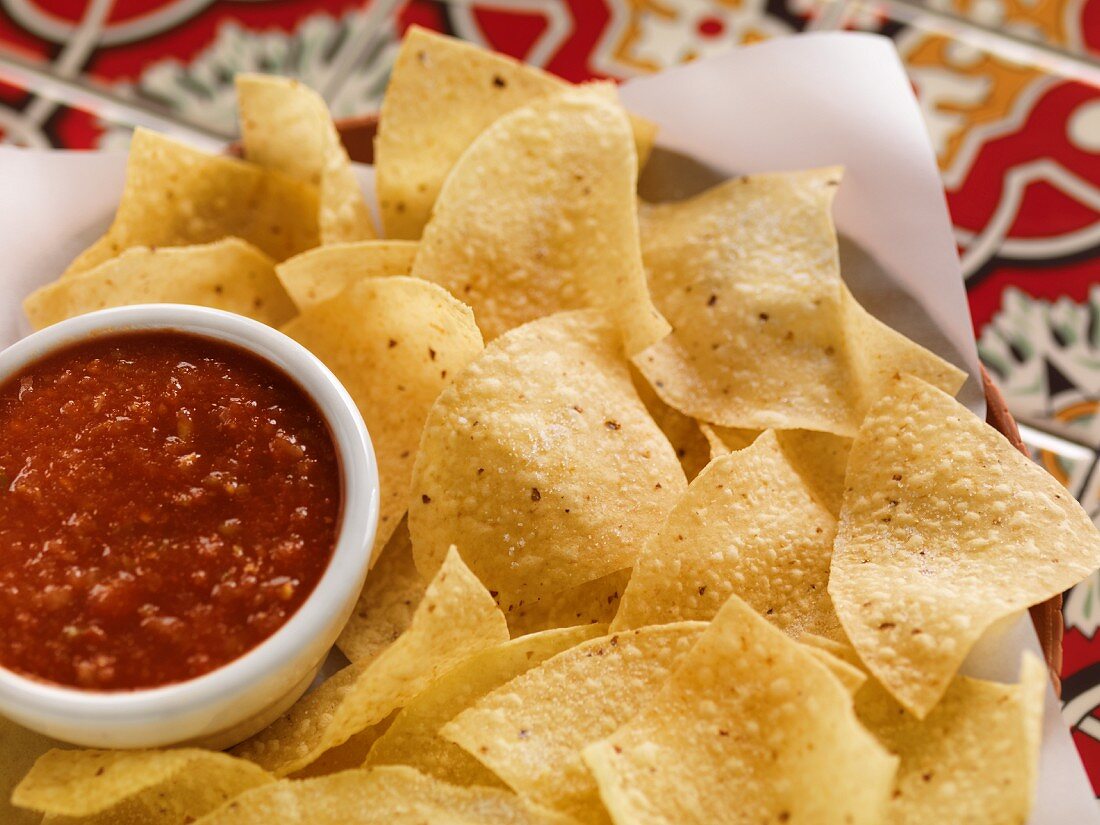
{"x":813,"y":100}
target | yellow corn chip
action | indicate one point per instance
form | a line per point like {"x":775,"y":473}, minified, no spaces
{"x":974,"y":758}
{"x":442,"y":94}
{"x":348,"y":756}
{"x":394,"y":343}
{"x":941,"y":518}
{"x":176,"y":196}
{"x":286,"y":126}
{"x":594,"y":602}
{"x":151,"y":787}
{"x":530,"y":732}
{"x":766,"y":334}
{"x":541,"y":463}
{"x":19,"y":748}
{"x":747,"y":525}
{"x":820,"y":458}
{"x":390,"y":596}
{"x":538,"y":216}
{"x":456,"y":619}
{"x":389,"y":795}
{"x":849,"y":675}
{"x":413,"y":738}
{"x":750,"y":728}
{"x":324,"y":272}
{"x":229,"y":274}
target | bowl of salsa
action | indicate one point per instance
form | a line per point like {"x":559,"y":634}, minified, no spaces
{"x":188,"y":501}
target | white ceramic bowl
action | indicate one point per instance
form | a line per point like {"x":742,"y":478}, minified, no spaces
{"x":228,"y":704}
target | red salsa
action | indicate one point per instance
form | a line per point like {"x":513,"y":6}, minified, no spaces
{"x":166,"y":503}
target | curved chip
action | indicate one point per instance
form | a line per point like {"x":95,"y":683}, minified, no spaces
{"x":974,"y":758}
{"x":176,"y":196}
{"x":324,"y":272}
{"x":684,"y":434}
{"x":413,"y":739}
{"x":229,"y":274}
{"x":456,"y":619}
{"x":747,"y":525}
{"x":286,"y":126}
{"x":19,"y":748}
{"x":541,"y":463}
{"x":530,"y":732}
{"x":766,"y":335}
{"x":594,"y":602}
{"x":158,"y":787}
{"x":387,"y":603}
{"x":750,"y":728}
{"x":538,"y":216}
{"x":940,"y":516}
{"x":820,"y":458}
{"x":389,"y":795}
{"x":442,"y":94}
{"x":394,"y":343}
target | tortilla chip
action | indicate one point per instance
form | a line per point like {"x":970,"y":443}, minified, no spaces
{"x":389,"y":795}
{"x":386,"y":605}
{"x":849,"y":675}
{"x":538,"y":216}
{"x":748,"y":525}
{"x":394,"y":343}
{"x":541,"y":463}
{"x":413,"y":739}
{"x":684,"y":434}
{"x":156,"y":787}
{"x":229,"y":274}
{"x":594,"y":602}
{"x":974,"y":758}
{"x":750,"y":728}
{"x":820,"y":458}
{"x":442,"y":94}
{"x":19,"y":748}
{"x":945,"y":529}
{"x":324,"y":272}
{"x":530,"y":732}
{"x":177,"y":196}
{"x":286,"y":126}
{"x":456,"y":619}
{"x":766,"y":335}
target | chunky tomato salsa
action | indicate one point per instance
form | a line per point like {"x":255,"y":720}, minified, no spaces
{"x":166,"y":503}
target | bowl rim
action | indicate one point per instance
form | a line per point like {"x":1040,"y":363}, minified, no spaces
{"x":338,"y":587}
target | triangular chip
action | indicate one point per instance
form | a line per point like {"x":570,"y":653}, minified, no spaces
{"x":229,"y":274}
{"x":413,"y":738}
{"x":158,"y":787}
{"x":594,"y":602}
{"x":176,"y":196}
{"x":388,"y":795}
{"x":443,"y":93}
{"x":766,"y":335}
{"x":324,"y":272}
{"x":820,"y":458}
{"x":538,"y":216}
{"x":455,"y":619}
{"x":386,"y":605}
{"x":394,"y":343}
{"x":974,"y":758}
{"x":747,"y":525}
{"x":286,"y":126}
{"x":541,"y":463}
{"x":945,"y":529}
{"x":531,"y":731}
{"x":750,"y":728}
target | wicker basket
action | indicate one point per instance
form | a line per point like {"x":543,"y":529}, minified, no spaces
{"x":358,"y":136}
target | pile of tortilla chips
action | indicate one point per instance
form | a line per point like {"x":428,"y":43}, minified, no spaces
{"x":672,"y":530}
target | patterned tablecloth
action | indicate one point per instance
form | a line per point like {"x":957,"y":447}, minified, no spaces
{"x":1010,"y":90}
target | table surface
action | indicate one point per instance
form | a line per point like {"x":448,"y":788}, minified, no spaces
{"x":1010,"y":90}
